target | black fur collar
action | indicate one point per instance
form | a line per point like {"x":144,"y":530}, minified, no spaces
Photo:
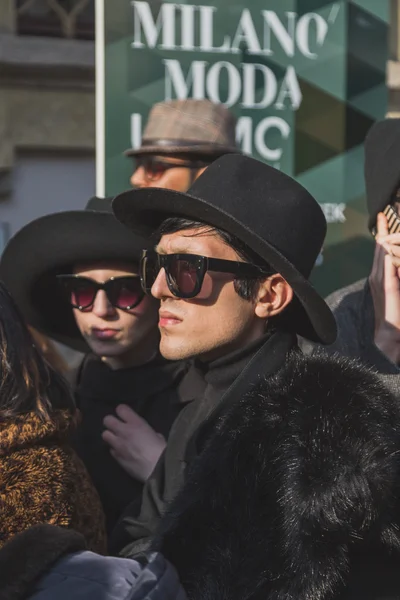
{"x":29,"y":555}
{"x":299,"y":479}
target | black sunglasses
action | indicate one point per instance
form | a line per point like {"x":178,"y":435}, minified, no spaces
{"x":185,"y":272}
{"x":154,"y":168}
{"x":122,"y":292}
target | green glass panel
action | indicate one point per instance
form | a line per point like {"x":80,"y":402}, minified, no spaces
{"x":305,"y":79}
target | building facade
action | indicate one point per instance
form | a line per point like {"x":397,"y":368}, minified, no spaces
{"x":47,"y":106}
{"x":47,"y":109}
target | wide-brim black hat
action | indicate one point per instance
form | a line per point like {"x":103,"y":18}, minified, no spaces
{"x":53,"y":244}
{"x":264,"y":208}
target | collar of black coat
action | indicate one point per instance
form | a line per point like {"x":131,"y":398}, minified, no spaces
{"x":30,"y":554}
{"x":298,"y":480}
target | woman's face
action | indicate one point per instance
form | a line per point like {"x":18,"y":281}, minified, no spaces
{"x":121,"y":337}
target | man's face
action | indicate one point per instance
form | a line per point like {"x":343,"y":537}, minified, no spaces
{"x":120,"y":336}
{"x":166,"y":172}
{"x":218,"y":320}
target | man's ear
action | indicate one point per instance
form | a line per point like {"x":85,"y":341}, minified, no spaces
{"x":273,"y":297}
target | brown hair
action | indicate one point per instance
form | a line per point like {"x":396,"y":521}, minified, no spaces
{"x":27,"y":381}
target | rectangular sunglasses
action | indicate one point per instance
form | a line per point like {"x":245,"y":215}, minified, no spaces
{"x":185,"y":272}
{"x":122,"y":292}
{"x":154,"y":168}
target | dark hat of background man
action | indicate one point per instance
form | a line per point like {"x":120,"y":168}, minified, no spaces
{"x":382,"y":166}
{"x":266,"y":209}
{"x":53,"y":244}
{"x":190,"y":126}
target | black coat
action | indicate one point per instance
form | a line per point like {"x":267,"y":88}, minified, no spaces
{"x":295,"y":495}
{"x":242,"y":369}
{"x":152,"y":390}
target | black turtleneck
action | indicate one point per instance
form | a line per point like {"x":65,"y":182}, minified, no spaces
{"x":151,"y":391}
{"x":221,"y":373}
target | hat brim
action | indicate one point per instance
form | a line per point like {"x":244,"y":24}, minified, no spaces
{"x":209,"y":150}
{"x":144,"y":210}
{"x":51,"y":245}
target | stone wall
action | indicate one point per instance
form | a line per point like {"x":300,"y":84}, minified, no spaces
{"x":47,"y":93}
{"x":47,"y":96}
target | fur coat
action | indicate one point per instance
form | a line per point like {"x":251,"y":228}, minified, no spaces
{"x":295,"y":494}
{"x":42,"y":480}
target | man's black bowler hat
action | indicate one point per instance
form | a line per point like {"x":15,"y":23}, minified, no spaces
{"x":264,"y":208}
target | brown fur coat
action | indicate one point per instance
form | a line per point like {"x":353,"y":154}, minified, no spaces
{"x":42,"y":480}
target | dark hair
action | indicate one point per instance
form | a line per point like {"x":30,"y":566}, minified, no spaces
{"x":27,"y":382}
{"x":246,"y":288}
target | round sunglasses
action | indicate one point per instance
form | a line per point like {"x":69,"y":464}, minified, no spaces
{"x":122,"y":292}
{"x":185,"y":272}
{"x":154,"y":168}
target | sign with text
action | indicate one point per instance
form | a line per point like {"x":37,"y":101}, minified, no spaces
{"x":304,"y":78}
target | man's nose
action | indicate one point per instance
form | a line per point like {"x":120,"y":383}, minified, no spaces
{"x":138,"y":178}
{"x":160,"y":287}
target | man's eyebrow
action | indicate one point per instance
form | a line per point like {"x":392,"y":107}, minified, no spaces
{"x":158,"y":249}
{"x":177,"y":250}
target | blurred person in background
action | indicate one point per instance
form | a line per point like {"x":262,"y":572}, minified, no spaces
{"x":75,"y":277}
{"x":368,"y":311}
{"x":42,"y":480}
{"x":181,"y":138}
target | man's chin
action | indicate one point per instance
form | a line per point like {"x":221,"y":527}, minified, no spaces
{"x":179,"y":350}
{"x":174,"y":351}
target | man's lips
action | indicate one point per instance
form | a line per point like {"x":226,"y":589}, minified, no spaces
{"x":104,"y":334}
{"x":167,"y":319}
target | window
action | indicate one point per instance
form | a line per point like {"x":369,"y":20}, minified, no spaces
{"x":56,"y":18}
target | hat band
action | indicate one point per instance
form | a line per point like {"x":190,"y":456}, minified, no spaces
{"x":166,"y":143}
